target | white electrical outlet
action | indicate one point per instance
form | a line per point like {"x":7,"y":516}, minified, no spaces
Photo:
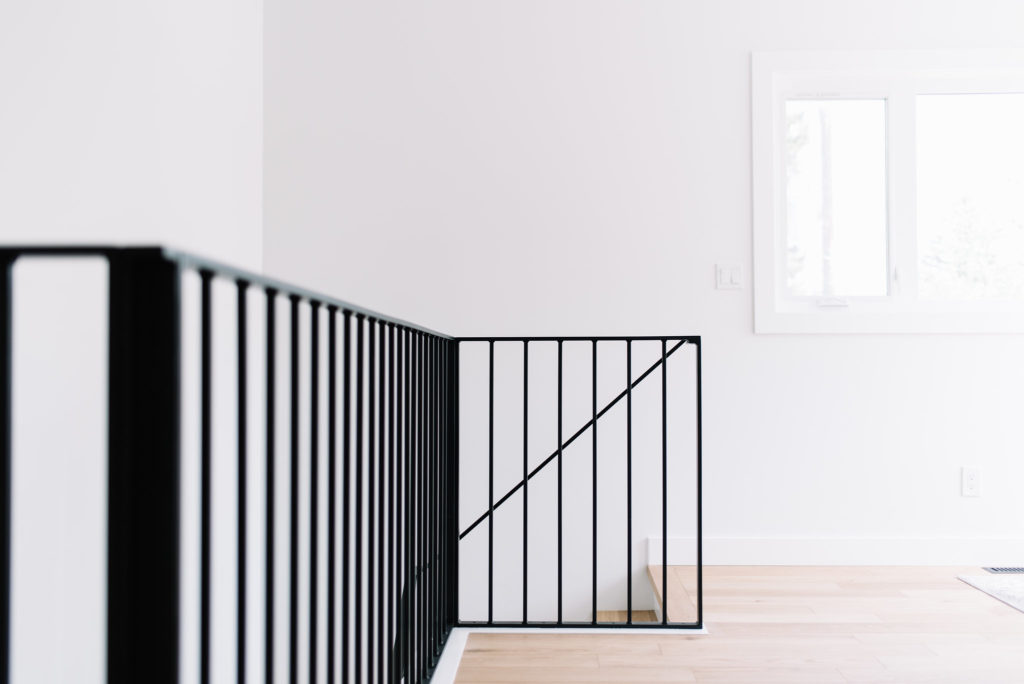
{"x":970,"y":482}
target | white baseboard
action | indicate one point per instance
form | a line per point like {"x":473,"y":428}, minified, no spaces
{"x":451,"y":656}
{"x":981,"y":551}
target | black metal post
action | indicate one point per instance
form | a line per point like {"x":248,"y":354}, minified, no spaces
{"x":6,"y":369}
{"x":143,"y":493}
{"x":700,"y":475}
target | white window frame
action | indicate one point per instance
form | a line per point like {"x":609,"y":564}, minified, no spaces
{"x":898,"y":77}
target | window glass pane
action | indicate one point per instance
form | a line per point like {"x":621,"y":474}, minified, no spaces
{"x":970,"y":196}
{"x":836,"y":216}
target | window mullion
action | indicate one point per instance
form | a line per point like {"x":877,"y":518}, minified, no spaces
{"x":902,"y":200}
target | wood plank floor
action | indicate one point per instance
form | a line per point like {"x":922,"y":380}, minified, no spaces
{"x":789,"y":624}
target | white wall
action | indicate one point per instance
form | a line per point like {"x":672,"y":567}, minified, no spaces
{"x":577,"y":167}
{"x":129,"y":121}
{"x":123,"y":122}
{"x":59,"y":484}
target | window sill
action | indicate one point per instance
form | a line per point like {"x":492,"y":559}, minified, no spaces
{"x":851,"y":321}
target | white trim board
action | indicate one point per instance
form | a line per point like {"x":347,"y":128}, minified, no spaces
{"x":448,"y":666}
{"x":981,"y":551}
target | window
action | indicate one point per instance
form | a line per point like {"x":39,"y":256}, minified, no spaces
{"x":836,"y":222}
{"x":889,"y":192}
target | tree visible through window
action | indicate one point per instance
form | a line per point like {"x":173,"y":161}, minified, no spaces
{"x":970,"y":196}
{"x":836,"y":226}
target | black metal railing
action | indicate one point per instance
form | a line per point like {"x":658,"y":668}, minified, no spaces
{"x":388,"y":461}
{"x":346,"y":555}
{"x":683,"y":500}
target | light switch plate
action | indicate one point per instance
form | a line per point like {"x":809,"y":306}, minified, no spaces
{"x":970,"y":482}
{"x":728,"y":276}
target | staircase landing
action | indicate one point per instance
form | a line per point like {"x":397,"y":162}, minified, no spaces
{"x":620,"y":615}
{"x":682,"y":584}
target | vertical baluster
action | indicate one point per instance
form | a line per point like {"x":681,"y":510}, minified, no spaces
{"x":417,"y":502}
{"x":700,"y":525}
{"x":454,"y":458}
{"x":392,"y":561}
{"x":421,"y":508}
{"x":401,"y":504}
{"x":242,"y":472}
{"x":371,"y":442}
{"x":381,"y":424}
{"x":559,"y":481}
{"x":434,"y":498}
{"x":526,"y":471}
{"x":332,"y":493}
{"x":314,"y":481}
{"x":414,"y":510}
{"x":293,"y":572}
{"x":593,"y":406}
{"x":490,"y":485}
{"x":629,"y":482}
{"x":664,"y":485}
{"x":443,"y":481}
{"x":428,"y":502}
{"x":435,"y":502}
{"x":346,"y":504}
{"x":407,"y":606}
{"x":204,"y":476}
{"x":269,"y":418}
{"x":442,"y":504}
{"x":358,"y":625}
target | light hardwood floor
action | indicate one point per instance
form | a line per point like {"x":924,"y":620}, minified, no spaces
{"x":788,"y":624}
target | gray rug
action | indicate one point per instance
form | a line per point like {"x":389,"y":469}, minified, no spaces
{"x":1007,"y":588}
